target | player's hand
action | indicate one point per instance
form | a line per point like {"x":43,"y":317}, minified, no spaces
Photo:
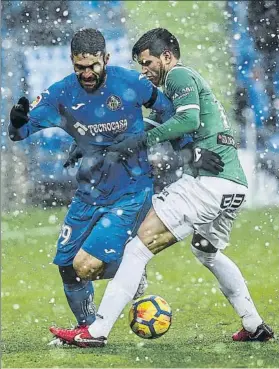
{"x":101,"y":159}
{"x":111,"y":158}
{"x":127,"y":145}
{"x":19,"y":113}
{"x":207,"y":160}
{"x":74,"y":155}
{"x":107,"y":159}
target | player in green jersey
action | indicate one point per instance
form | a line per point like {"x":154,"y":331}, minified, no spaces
{"x":199,"y":203}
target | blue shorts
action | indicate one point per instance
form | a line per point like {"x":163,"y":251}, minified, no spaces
{"x":102,"y":231}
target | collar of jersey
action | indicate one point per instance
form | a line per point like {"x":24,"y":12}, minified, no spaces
{"x":178,"y":64}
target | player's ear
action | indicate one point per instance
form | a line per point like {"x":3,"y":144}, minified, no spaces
{"x":167,"y":56}
{"x":106,"y":58}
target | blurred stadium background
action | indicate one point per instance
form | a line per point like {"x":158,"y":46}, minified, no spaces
{"x":233,"y":44}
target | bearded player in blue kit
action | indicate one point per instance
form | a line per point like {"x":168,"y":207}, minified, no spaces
{"x":94,"y":105}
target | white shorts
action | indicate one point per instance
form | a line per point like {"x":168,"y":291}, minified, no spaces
{"x":207,"y":205}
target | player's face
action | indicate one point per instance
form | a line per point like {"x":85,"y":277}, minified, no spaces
{"x":90,"y":70}
{"x":152,"y":67}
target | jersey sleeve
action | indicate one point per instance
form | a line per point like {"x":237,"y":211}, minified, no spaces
{"x":44,"y":113}
{"x":153,"y":120}
{"x":150,"y":96}
{"x":181,"y":88}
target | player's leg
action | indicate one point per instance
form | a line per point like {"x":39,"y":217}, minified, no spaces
{"x":230,"y":279}
{"x":233,"y":286}
{"x":125,"y":283}
{"x":111,"y":269}
{"x":154,"y":234}
{"x":87,"y":267}
{"x":79,"y":292}
{"x":110,"y":234}
{"x":177,"y":208}
{"x":207,"y":248}
{"x":153,"y":237}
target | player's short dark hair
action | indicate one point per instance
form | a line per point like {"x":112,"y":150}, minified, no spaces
{"x":157,"y":41}
{"x":88,"y":40}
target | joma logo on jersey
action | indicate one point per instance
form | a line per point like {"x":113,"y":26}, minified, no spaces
{"x":115,"y":127}
{"x":114,"y":102}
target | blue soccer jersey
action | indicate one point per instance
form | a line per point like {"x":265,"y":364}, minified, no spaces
{"x":94,"y":120}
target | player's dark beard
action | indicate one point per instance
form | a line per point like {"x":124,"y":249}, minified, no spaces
{"x":98,"y":78}
{"x":161,"y":75}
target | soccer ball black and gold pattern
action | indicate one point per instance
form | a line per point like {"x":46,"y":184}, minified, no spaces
{"x":150,"y":317}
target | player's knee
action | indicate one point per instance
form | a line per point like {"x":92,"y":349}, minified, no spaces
{"x":204,"y":251}
{"x":89,"y":270}
{"x":87,"y":267}
{"x":201,"y":243}
{"x":161,"y":242}
{"x":205,"y":258}
{"x":68,"y":274}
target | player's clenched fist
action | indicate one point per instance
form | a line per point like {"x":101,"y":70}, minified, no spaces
{"x":19,"y":113}
{"x":207,"y":160}
{"x":75,"y":153}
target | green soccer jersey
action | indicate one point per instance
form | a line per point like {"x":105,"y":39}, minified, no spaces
{"x":199,"y":113}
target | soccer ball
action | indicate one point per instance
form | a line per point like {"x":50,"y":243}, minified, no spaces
{"x":150,"y":317}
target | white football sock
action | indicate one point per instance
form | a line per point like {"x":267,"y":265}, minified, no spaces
{"x":122,"y":288}
{"x":233,"y":286}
